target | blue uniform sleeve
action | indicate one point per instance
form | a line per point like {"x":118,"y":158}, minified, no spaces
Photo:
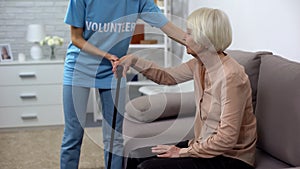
{"x":75,"y":15}
{"x":151,"y":14}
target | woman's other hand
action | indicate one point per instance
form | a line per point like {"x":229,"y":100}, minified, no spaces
{"x":166,"y":151}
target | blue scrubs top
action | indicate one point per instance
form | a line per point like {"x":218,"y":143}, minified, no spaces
{"x":108,"y":25}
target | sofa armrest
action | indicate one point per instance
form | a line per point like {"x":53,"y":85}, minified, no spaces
{"x":159,"y":106}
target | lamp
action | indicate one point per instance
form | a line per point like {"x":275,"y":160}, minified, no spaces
{"x":35,"y":33}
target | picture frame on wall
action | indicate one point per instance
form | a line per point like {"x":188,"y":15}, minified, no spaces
{"x":5,"y":53}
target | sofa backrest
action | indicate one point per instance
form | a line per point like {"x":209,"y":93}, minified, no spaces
{"x":278,"y":108}
{"x":251,"y":63}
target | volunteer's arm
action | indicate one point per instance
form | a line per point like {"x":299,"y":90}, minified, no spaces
{"x":81,"y":43}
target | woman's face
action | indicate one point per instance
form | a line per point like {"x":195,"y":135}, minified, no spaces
{"x":191,"y":46}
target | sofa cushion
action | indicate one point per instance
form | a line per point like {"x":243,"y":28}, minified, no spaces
{"x":265,"y":161}
{"x":163,"y":105}
{"x":278,"y":108}
{"x":251,"y":63}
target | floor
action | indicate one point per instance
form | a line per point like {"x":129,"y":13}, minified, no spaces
{"x":39,"y":148}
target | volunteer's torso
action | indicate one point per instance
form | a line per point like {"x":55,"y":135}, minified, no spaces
{"x":108,"y":25}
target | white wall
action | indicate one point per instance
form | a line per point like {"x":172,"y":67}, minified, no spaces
{"x":261,"y":24}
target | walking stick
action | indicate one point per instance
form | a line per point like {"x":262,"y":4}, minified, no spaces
{"x":119,"y":76}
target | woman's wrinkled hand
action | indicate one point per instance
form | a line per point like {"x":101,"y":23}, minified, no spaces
{"x":125,"y":61}
{"x":166,"y":151}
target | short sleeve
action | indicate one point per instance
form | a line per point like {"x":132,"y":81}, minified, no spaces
{"x":151,"y":14}
{"x":75,"y":14}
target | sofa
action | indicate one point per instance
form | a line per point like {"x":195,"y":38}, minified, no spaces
{"x":168,"y":117}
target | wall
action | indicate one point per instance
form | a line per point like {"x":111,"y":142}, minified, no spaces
{"x":16,"y":15}
{"x":261,"y":24}
{"x":257,"y":24}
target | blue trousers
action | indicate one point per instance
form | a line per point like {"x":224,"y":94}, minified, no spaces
{"x":75,"y":103}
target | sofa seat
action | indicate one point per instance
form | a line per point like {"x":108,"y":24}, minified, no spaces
{"x":154,"y":133}
{"x":265,"y":161}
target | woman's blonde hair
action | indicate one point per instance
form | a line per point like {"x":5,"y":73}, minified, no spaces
{"x":210,"y":24}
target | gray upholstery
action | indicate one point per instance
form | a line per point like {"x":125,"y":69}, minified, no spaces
{"x":251,"y":63}
{"x":278,"y":109}
{"x":158,"y":119}
{"x":265,"y":161}
{"x":164,"y":105}
{"x":139,"y":134}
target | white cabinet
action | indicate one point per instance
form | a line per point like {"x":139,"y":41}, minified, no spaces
{"x":31,"y":94}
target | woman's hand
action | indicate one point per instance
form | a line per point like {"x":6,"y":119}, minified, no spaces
{"x":126,"y":61}
{"x":166,"y":151}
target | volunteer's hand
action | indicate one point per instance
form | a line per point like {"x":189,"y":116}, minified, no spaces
{"x":166,"y":151}
{"x":112,"y":58}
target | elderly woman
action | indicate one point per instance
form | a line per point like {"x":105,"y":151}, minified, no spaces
{"x":225,"y":126}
